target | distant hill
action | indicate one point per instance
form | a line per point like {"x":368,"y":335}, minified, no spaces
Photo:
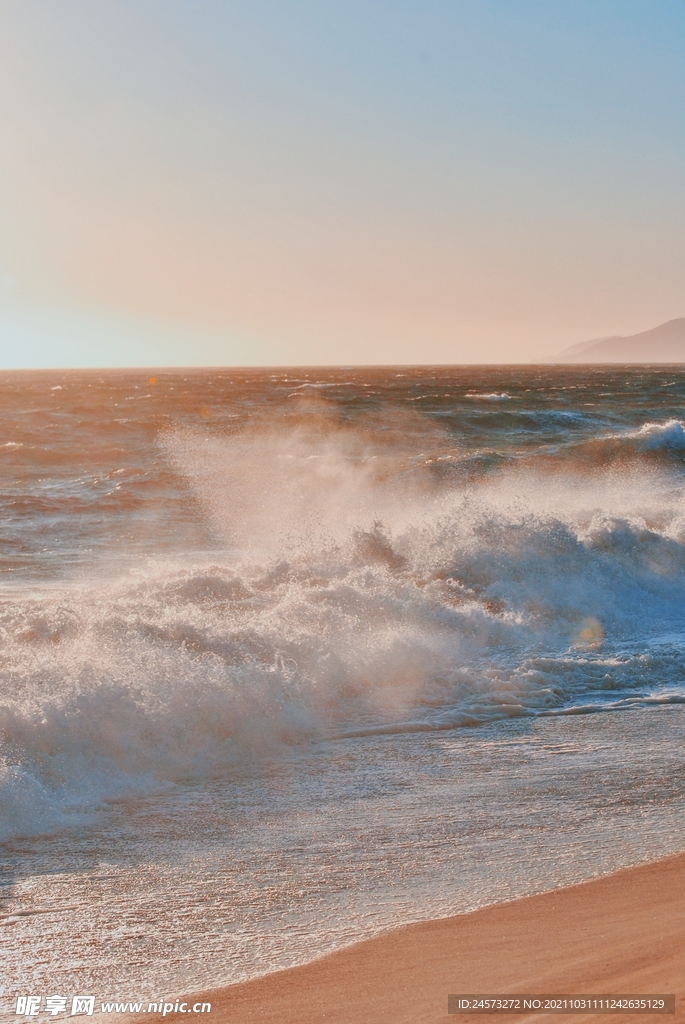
{"x":663,"y":344}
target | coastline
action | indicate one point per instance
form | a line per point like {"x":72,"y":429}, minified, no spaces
{"x":622,"y":933}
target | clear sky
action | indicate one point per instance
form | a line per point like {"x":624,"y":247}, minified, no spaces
{"x":249,"y":182}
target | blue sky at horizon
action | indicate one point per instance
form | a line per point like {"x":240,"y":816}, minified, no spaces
{"x":271,"y":183}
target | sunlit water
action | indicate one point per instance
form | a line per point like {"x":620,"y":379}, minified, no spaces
{"x":293,"y":657}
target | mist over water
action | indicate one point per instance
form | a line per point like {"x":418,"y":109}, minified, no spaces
{"x":220,"y":572}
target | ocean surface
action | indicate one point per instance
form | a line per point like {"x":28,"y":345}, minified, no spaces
{"x":292,"y":657}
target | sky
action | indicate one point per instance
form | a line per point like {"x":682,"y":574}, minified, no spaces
{"x":282,"y":182}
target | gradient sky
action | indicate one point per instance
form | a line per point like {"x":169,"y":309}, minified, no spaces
{"x":208,"y":182}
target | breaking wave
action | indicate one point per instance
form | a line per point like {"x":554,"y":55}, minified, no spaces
{"x":654,"y":436}
{"x":356,"y":592}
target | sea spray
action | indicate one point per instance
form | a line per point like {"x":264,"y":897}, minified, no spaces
{"x":520,"y":592}
{"x":294,"y":656}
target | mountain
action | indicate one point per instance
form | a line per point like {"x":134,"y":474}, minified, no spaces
{"x":662,"y":344}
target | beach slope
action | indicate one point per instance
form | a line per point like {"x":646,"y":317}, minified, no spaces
{"x":619,"y":934}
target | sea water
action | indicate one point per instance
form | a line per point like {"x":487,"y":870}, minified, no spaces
{"x":292,"y":657}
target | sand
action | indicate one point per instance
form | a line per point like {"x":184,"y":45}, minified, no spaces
{"x":620,"y":934}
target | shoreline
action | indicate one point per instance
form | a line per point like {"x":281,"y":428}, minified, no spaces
{"x":619,"y":934}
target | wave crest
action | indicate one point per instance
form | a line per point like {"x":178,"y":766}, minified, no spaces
{"x":357,"y":590}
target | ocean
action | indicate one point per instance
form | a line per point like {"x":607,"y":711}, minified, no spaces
{"x":292,"y":657}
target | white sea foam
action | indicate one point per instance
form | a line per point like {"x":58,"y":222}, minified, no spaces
{"x":355,"y":593}
{"x":669,"y":435}
{"x":257,"y":740}
{"x":490,"y":397}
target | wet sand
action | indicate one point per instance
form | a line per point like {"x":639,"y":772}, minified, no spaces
{"x":620,"y":934}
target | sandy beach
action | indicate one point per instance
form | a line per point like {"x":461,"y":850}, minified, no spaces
{"x":619,"y":934}
{"x":342,"y":511}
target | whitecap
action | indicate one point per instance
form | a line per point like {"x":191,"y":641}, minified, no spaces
{"x":494,"y":397}
{"x":670,"y":435}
